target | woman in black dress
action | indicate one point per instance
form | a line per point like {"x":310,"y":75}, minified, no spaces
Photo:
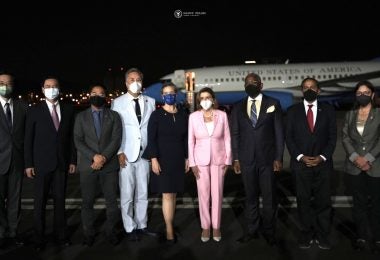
{"x":167,"y":150}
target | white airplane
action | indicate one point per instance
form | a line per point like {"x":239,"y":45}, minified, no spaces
{"x":282,"y":81}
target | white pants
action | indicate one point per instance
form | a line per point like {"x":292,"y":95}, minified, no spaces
{"x":133,"y":181}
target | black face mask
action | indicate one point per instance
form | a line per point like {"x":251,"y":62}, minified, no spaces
{"x":310,"y":95}
{"x":252,"y":90}
{"x":363,"y":100}
{"x":97,"y":101}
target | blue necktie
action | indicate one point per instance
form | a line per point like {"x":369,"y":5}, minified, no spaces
{"x":98,"y":125}
{"x":253,"y":113}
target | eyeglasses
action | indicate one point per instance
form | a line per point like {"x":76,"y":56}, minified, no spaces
{"x":366,"y":93}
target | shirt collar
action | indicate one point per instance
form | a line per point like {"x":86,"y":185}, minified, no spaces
{"x":51,"y":104}
{"x":306,"y":104}
{"x":130,"y":97}
{"x":3,"y":101}
{"x":259,"y":97}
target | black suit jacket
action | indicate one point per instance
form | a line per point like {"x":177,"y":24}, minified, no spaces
{"x":263,"y":143}
{"x":12,"y":141}
{"x":45,"y":148}
{"x":300,"y":140}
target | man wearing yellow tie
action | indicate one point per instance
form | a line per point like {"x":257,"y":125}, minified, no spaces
{"x":257,"y":147}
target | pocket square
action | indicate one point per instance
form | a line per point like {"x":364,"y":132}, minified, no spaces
{"x":270,"y":109}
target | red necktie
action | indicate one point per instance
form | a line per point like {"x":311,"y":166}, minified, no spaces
{"x":310,"y":118}
{"x":54,"y":115}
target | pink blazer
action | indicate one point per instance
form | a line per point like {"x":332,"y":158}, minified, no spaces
{"x":205,"y":149}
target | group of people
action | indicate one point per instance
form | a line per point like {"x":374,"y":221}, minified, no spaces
{"x":132,"y":147}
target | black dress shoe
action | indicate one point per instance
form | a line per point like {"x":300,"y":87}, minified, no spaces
{"x":171,"y":242}
{"x":16,"y":241}
{"x":147,"y":232}
{"x":113,"y":239}
{"x":248,"y":237}
{"x":63,"y":242}
{"x":305,"y":241}
{"x":39,"y":246}
{"x":88,"y":241}
{"x":359,"y":244}
{"x":323,"y":242}
{"x":2,"y":242}
{"x":271,"y":240}
{"x":133,"y":236}
{"x":376,"y":247}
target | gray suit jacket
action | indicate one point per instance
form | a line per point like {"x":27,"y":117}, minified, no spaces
{"x":367,"y":145}
{"x":88,"y":144}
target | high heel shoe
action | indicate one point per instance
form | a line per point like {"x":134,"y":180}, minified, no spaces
{"x":205,"y":238}
{"x":217,"y":238}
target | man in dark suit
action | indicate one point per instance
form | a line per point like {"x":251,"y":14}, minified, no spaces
{"x":97,"y":137}
{"x":12,"y":128}
{"x":49,"y":155}
{"x":311,"y":138}
{"x":257,"y":145}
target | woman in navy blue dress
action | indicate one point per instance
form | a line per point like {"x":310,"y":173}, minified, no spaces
{"x":167,"y":150}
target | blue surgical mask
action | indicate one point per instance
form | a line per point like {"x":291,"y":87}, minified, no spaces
{"x":169,"y":99}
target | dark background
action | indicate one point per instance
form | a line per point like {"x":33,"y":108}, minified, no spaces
{"x":99,"y":41}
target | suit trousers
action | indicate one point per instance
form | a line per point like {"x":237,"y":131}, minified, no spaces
{"x":133,"y":181}
{"x":258,"y":180}
{"x":55,"y":182}
{"x":366,"y":213}
{"x":89,"y":183}
{"x":10,"y":201}
{"x":314,"y":200}
{"x":210,"y":184}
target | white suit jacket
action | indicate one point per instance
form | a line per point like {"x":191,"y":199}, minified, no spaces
{"x":135,"y":135}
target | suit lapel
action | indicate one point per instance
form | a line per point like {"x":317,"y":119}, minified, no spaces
{"x":89,"y":121}
{"x":3,"y":119}
{"x":244,"y":110}
{"x":105,"y":120}
{"x":145,"y":109}
{"x":263,"y":109}
{"x":46,"y":112}
{"x":216,"y":118}
{"x":368,"y":123}
{"x":131,"y":108}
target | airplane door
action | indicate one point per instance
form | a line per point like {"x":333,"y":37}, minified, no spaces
{"x":179,"y":79}
{"x":190,"y":85}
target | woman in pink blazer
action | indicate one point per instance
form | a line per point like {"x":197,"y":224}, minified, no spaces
{"x":209,"y":157}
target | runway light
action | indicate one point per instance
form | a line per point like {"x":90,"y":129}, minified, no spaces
{"x":250,"y":62}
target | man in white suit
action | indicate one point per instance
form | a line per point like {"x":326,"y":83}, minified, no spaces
{"x":135,"y":110}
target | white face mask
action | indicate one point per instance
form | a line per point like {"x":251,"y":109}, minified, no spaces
{"x":206,"y":104}
{"x":135,"y":87}
{"x":51,"y":93}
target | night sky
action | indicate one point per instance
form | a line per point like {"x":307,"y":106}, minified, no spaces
{"x":79,"y":44}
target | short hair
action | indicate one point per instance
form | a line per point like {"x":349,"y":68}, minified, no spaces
{"x":312,"y":79}
{"x":134,"y":70}
{"x":207,"y":90}
{"x":50,"y":77}
{"x":92,"y":86}
{"x":6,"y":72}
{"x":169,"y":84}
{"x":253,"y":75}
